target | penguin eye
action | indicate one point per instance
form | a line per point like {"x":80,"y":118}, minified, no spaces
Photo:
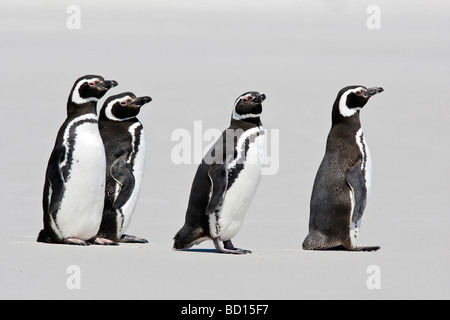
{"x":245,"y":99}
{"x":123,"y":103}
{"x":92,"y":83}
{"x":358,"y":92}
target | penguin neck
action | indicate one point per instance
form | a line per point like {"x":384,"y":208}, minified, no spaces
{"x":251,"y":122}
{"x":337,"y":118}
{"x":112,"y":118}
{"x":74,"y":109}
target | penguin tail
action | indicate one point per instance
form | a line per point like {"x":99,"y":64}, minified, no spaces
{"x":314,"y":241}
{"x":42,"y":236}
{"x":45,"y":237}
{"x":187,"y":237}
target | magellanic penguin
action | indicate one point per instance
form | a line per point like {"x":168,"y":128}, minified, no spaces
{"x":74,"y":187}
{"x":342,"y":182}
{"x":123,"y":137}
{"x":226,"y":180}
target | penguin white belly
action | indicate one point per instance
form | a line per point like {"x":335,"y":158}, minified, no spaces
{"x":366,"y":167}
{"x":81,"y":209}
{"x":138,"y":172}
{"x":241,"y":193}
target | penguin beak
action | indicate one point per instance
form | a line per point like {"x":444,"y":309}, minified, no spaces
{"x":107,"y":84}
{"x":260,"y":98}
{"x":373,"y":91}
{"x":139,"y":102}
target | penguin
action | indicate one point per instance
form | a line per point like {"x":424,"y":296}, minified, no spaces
{"x":342,"y":183}
{"x":74,"y":181}
{"x":123,"y":138}
{"x":226,"y":180}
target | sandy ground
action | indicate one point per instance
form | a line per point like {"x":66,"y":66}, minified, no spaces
{"x":194,"y":58}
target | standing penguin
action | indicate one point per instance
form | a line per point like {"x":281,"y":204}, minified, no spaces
{"x":342,"y":182}
{"x":75,"y":181}
{"x":123,"y":137}
{"x":226,"y":180}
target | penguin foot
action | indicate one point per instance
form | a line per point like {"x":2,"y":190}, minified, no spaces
{"x":132,"y":239}
{"x":104,"y":242}
{"x":229,"y":248}
{"x":76,"y":241}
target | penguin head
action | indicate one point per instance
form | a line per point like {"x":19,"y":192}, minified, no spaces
{"x":123,"y":106}
{"x":352,"y":99}
{"x":90,"y":88}
{"x":248,"y":105}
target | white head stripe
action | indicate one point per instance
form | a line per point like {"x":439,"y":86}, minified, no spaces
{"x":108,"y":109}
{"x":237,"y":116}
{"x":343,"y":109}
{"x":76,"y":98}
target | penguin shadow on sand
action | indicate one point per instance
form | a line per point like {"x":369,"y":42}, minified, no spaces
{"x":205,"y":250}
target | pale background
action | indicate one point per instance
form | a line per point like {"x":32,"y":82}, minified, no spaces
{"x":194,"y":58}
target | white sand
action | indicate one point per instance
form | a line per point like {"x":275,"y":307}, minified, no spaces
{"x":194,"y":58}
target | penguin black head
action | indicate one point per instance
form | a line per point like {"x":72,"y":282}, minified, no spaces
{"x":248,"y":105}
{"x":123,"y":106}
{"x":90,"y":88}
{"x":352,"y":99}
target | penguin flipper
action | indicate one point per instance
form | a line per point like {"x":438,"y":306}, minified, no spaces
{"x":357,"y":182}
{"x":121,"y":172}
{"x":219,"y":181}
{"x":55,"y":188}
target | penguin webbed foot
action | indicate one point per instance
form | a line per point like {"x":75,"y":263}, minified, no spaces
{"x":104,"y":242}
{"x":76,"y":241}
{"x":132,"y":239}
{"x":229,"y":248}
